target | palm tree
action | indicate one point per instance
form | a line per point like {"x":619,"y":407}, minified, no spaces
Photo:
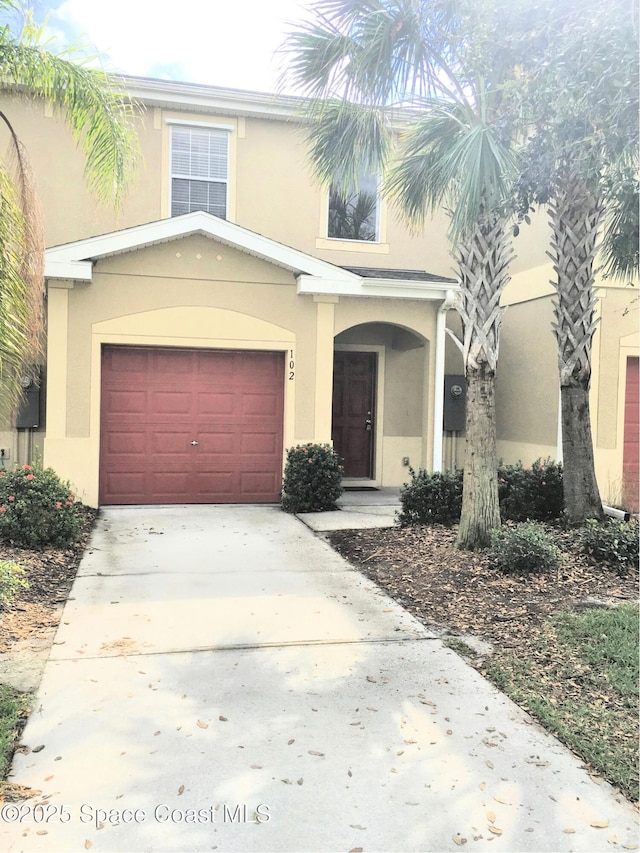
{"x":100,"y":118}
{"x":582,"y":161}
{"x":370,"y":66}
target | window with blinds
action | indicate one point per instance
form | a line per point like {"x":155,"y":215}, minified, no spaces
{"x":199,"y":170}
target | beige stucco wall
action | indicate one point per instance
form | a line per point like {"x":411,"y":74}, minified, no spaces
{"x":271,"y":188}
{"x":527,"y":385}
{"x":198,"y":292}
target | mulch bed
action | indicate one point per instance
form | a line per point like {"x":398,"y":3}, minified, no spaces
{"x":50,"y":574}
{"x":461,"y":592}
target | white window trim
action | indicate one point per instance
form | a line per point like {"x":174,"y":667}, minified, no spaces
{"x":227,"y":178}
{"x":209,"y":124}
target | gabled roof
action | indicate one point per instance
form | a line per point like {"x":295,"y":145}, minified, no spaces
{"x":75,"y":261}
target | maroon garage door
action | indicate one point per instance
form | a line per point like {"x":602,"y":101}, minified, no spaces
{"x":190,"y":426}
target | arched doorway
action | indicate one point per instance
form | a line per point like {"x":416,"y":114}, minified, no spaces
{"x":380,"y":402}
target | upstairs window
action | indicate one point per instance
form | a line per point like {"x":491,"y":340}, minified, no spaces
{"x":199,"y":170}
{"x":354,"y":215}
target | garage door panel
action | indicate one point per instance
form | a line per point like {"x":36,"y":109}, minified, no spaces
{"x":169,"y":365}
{"x":171,"y":402}
{"x":258,"y":443}
{"x":260,"y":404}
{"x":215,"y":403}
{"x":214,"y":444}
{"x":220,"y":487}
{"x":127,"y":443}
{"x":257,"y":484}
{"x":126,"y":402}
{"x":156,"y":402}
{"x":126,"y":486}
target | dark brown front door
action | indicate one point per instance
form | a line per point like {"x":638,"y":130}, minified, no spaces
{"x":354,"y":380}
{"x":190,"y":426}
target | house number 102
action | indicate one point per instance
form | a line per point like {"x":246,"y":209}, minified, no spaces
{"x":292,"y":365}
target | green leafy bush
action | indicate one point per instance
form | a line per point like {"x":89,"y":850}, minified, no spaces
{"x":431,"y":498}
{"x":37,"y":508}
{"x":523,"y":549}
{"x":11,"y":580}
{"x":613,"y":543}
{"x":312,"y":478}
{"x":534,"y":493}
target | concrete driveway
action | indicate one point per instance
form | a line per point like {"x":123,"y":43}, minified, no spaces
{"x":222,"y":680}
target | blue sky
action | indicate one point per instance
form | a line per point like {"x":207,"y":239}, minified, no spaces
{"x":216,"y":42}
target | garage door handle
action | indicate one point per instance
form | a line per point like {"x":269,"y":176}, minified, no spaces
{"x":193,"y":443}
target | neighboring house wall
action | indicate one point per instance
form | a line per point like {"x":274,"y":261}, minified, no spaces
{"x":527,"y":385}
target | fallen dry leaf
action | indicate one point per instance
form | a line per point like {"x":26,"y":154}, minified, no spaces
{"x":87,"y":844}
{"x":495,"y":830}
{"x":202,"y":724}
{"x":569,"y":830}
{"x":315,"y":752}
{"x":459,"y":840}
{"x":289,"y":742}
{"x":223,"y":719}
{"x":491,"y":817}
{"x":600,"y":824}
{"x":181,"y":790}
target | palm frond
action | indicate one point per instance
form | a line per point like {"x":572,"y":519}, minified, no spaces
{"x":375,"y":51}
{"x":450,"y":158}
{"x":93,"y":105}
{"x":346,"y":140}
{"x":15,"y":299}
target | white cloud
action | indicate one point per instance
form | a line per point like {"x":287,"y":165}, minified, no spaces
{"x":218,"y":42}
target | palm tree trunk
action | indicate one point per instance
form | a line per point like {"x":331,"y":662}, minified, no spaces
{"x":480,"y":508}
{"x":574,"y":215}
{"x":483,"y":262}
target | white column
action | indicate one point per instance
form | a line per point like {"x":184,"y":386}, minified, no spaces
{"x":438,"y":402}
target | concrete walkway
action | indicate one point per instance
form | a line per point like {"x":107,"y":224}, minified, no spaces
{"x":357,"y":508}
{"x":222,"y":680}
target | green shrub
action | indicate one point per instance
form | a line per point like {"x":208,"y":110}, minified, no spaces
{"x":312,"y":478}
{"x":37,"y":508}
{"x":523,"y":549}
{"x":525,"y":494}
{"x":613,"y":543}
{"x":11,"y":579}
{"x":531,"y":494}
{"x":431,"y":498}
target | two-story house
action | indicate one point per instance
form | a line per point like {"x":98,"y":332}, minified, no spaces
{"x":235,"y":308}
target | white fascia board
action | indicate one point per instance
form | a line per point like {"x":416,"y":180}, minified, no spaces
{"x":176,"y":95}
{"x":376,"y":288}
{"x":70,"y":270}
{"x":177,"y":227}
